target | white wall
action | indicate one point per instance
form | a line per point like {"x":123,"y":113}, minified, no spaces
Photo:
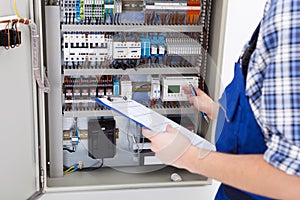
{"x":242,"y":19}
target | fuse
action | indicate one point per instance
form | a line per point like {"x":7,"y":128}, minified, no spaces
{"x":93,"y":92}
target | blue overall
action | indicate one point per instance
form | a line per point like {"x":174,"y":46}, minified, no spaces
{"x":237,"y":131}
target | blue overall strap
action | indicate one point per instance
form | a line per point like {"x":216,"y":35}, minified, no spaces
{"x":245,"y":58}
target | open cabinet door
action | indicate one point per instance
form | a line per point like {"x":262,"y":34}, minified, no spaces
{"x":19,"y":125}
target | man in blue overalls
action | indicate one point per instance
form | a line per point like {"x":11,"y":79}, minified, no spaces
{"x":258,"y":127}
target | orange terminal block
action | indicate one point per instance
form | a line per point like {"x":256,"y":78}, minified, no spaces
{"x":192,"y":16}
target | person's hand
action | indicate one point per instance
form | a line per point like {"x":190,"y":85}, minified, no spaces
{"x":168,"y":146}
{"x":202,"y":102}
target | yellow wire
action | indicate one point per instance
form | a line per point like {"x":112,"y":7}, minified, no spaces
{"x":72,"y":171}
{"x":68,"y":170}
{"x":15,"y":8}
{"x":72,"y":167}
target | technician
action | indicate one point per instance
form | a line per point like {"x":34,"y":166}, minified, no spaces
{"x":258,"y":127}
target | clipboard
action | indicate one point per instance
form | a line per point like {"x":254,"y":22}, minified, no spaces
{"x":146,"y":117}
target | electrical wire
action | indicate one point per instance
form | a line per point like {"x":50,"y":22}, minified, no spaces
{"x":7,"y":31}
{"x":69,"y":150}
{"x":16,"y":9}
{"x":127,"y":135}
{"x":35,"y":59}
{"x":140,"y":148}
{"x":19,"y":39}
{"x":76,"y":167}
{"x":8,"y":36}
{"x":71,"y":169}
{"x":35,"y":51}
{"x":91,"y":168}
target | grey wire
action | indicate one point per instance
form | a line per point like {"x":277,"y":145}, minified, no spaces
{"x":98,"y":160}
{"x":127,"y":135}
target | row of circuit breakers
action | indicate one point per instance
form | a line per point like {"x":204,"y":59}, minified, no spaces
{"x":97,"y":12}
{"x":97,"y":46}
{"x":122,"y":50}
{"x":166,"y":88}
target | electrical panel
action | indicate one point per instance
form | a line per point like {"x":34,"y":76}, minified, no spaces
{"x":137,"y":49}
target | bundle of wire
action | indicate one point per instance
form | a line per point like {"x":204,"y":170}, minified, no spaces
{"x":79,"y":167}
{"x":73,"y":168}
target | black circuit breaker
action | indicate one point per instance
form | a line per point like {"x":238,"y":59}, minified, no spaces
{"x":102,"y":138}
{"x":10,"y":35}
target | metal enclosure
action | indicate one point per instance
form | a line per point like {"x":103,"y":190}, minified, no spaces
{"x":69,"y":107}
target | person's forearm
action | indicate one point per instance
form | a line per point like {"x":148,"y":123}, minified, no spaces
{"x":214,"y":110}
{"x":247,"y":172}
